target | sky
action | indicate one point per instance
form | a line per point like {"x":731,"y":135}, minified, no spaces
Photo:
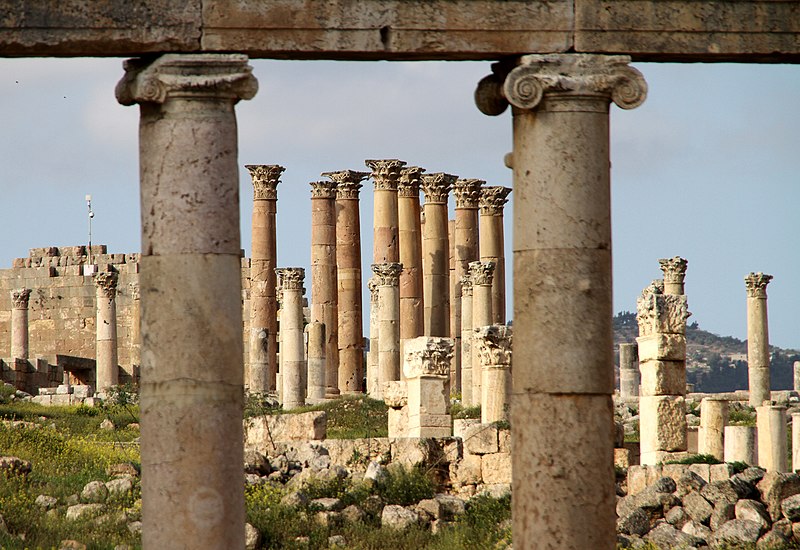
{"x":708,"y":168}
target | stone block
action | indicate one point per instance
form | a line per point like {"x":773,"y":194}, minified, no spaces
{"x":661,"y":347}
{"x":60,"y":399}
{"x":63,"y":389}
{"x":428,"y":395}
{"x":504,"y":440}
{"x":662,"y":424}
{"x":429,"y":431}
{"x":412,"y":451}
{"x":460,"y":425}
{"x":496,"y":468}
{"x":481,"y":439}
{"x":398,"y":422}
{"x":703,"y":470}
{"x":622,"y":458}
{"x":82,"y":391}
{"x":468,"y":470}
{"x":720,"y":472}
{"x":662,"y":378}
{"x":262,"y":432}
{"x":42,"y":399}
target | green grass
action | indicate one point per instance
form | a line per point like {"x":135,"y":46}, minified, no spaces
{"x":349,"y":417}
{"x":457,"y":410}
{"x":746,"y":417}
{"x":696,"y":459}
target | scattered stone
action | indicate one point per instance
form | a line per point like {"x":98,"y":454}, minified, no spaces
{"x":119,"y":488}
{"x":697,"y":530}
{"x":774,"y":487}
{"x":78,"y":511}
{"x":375,"y":471}
{"x":295,"y":499}
{"x":697,"y":507}
{"x":252,"y":537}
{"x":677,"y":517}
{"x":666,"y":536}
{"x":135,"y":527}
{"x":754,"y":511}
{"x":327,"y":504}
{"x":791,"y":507}
{"x":723,"y":512}
{"x":353,"y":514}
{"x":773,"y":540}
{"x":635,"y":523}
{"x":398,"y":517}
{"x":736,"y":531}
{"x":94,"y":491}
{"x":256,"y":463}
{"x":107,"y":425}
{"x":46,"y":502}
{"x":13,"y":466}
{"x":337,"y":541}
{"x":122,"y":469}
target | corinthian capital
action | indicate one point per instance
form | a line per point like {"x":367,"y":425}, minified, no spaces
{"x":674,"y":269}
{"x":410,"y":178}
{"x":293,"y":278}
{"x":387,"y":274}
{"x":266,"y":178}
{"x":494,"y":345}
{"x":567,"y":75}
{"x":323,"y":189}
{"x":191,"y":76}
{"x":20,"y":297}
{"x":436,"y":186}
{"x":348,"y":182}
{"x":756,"y":285}
{"x":466,"y":285}
{"x":492,"y":200}
{"x":481,"y":273}
{"x":427,"y":356}
{"x":467,"y":192}
{"x":385,"y":173}
{"x":107,"y":282}
{"x":372,"y":286}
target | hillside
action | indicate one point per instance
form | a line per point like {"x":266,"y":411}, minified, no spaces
{"x":715,"y":363}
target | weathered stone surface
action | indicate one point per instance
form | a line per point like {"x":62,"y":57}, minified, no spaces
{"x":635,"y":523}
{"x":791,"y":507}
{"x":94,"y":491}
{"x":666,"y":536}
{"x":663,"y":378}
{"x":252,"y":537}
{"x":697,"y":507}
{"x":262,"y":432}
{"x":736,"y":531}
{"x":496,"y":468}
{"x":14,"y":466}
{"x":119,"y":488}
{"x":662,"y":424}
{"x":78,"y":511}
{"x":481,"y":439}
{"x":397,"y":517}
{"x":677,"y":517}
{"x":697,"y":530}
{"x":754,"y":511}
{"x":720,"y":491}
{"x":773,"y":540}
{"x":723,"y":512}
{"x":774,"y":487}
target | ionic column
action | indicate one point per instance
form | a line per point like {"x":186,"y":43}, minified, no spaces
{"x":374,"y":338}
{"x":388,"y":280}
{"x":757,"y":338}
{"x":348,"y":266}
{"x":628,"y":371}
{"x":19,"y":323}
{"x":106,"y":330}
{"x":435,"y":264}
{"x":191,"y":391}
{"x":263,"y":306}
{"x":410,"y":234}
{"x":493,"y":346}
{"x":466,"y":341}
{"x":324,"y":288}
{"x":293,"y":361}
{"x":317,"y":345}
{"x":562,"y":291}
{"x":713,"y":418}
{"x":136,"y":333}
{"x":386,"y":240}
{"x":482,"y":274}
{"x":492,"y":245}
{"x":771,"y":424}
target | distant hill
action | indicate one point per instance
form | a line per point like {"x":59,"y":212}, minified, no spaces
{"x":715,"y":363}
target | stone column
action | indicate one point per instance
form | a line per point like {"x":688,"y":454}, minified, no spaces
{"x":493,"y":345}
{"x":263,"y":364}
{"x":771,"y":423}
{"x":740,"y":444}
{"x":191,"y":391}
{"x":324,"y":293}
{"x":674,"y":270}
{"x":293,"y":361}
{"x":410,"y":233}
{"x":713,"y":418}
{"x":374,"y":338}
{"x":106,"y":329}
{"x":466,"y":341}
{"x":455,"y":336}
{"x":435,"y":264}
{"x":388,"y":280}
{"x":19,"y":323}
{"x":492,"y":245}
{"x":795,"y":442}
{"x":386,"y":240}
{"x":136,"y":333}
{"x":482,"y":274}
{"x":562,"y":291}
{"x":465,"y":248}
{"x":348,"y":265}
{"x":317,"y":346}
{"x":796,"y":371}
{"x":628,"y":371}
{"x":757,"y":338}
{"x":427,"y":371}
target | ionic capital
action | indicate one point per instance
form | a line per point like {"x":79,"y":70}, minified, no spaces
{"x":481,"y":273}
{"x":348,"y":182}
{"x":578,"y":76}
{"x":467,"y":192}
{"x":386,"y":173}
{"x":466,"y":285}
{"x":427,"y":356}
{"x":323,"y":189}
{"x":266,"y":178}
{"x":20,"y":298}
{"x":494,"y":344}
{"x":674,"y":269}
{"x":410,"y":178}
{"x":492,"y":199}
{"x":756,"y":285}
{"x":436,"y":187}
{"x":387,"y":274}
{"x":189,"y":76}
{"x":107,"y":282}
{"x":292,"y":278}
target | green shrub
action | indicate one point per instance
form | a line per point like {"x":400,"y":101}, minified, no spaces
{"x":696,"y":459}
{"x":404,"y":487}
{"x":457,"y":410}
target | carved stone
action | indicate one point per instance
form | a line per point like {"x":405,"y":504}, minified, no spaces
{"x":756,"y":285}
{"x":387,"y":274}
{"x":428,"y":356}
{"x":107,"y":282}
{"x":674,"y":270}
{"x":467,"y":192}
{"x":265,"y":178}
{"x":292,"y":278}
{"x":437,"y":186}
{"x":323,"y":189}
{"x":409,"y":182}
{"x":386,"y":173}
{"x":493,"y":346}
{"x":348,"y":183}
{"x":493,"y":199}
{"x":661,"y":313}
{"x":481,"y":273}
{"x":20,"y":298}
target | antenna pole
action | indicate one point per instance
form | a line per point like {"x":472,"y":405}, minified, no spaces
{"x":90,"y":216}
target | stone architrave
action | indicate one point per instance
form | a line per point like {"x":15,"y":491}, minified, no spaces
{"x":374,"y":338}
{"x":324,"y":287}
{"x":20,"y":298}
{"x":136,"y":333}
{"x":427,"y":370}
{"x":771,"y":424}
{"x":562,"y":291}
{"x":410,"y":236}
{"x":191,"y":392}
{"x":435,"y":264}
{"x":386,"y":239}
{"x":106,"y":329}
{"x":262,"y":364}
{"x":492,"y":244}
{"x":293,"y":363}
{"x":757,"y":338}
{"x":388,"y":280}
{"x":628,"y":370}
{"x":741,"y":444}
{"x":348,"y":273}
{"x":316,"y":361}
{"x":466,"y":341}
{"x":493,"y":346}
{"x":713,"y":419}
{"x":481,"y":274}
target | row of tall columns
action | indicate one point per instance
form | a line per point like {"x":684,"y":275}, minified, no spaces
{"x":757,"y":338}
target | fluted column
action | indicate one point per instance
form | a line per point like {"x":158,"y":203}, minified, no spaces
{"x":492,"y":245}
{"x":493,"y":346}
{"x":482,"y":274}
{"x":106,"y":330}
{"x":757,"y":338}
{"x":410,"y":233}
{"x":324,"y":288}
{"x":374,"y":338}
{"x":562,"y":291}
{"x":293,"y":361}
{"x":191,"y":391}
{"x":263,"y":306}
{"x":435,"y":262}
{"x":466,"y":341}
{"x":19,"y":323}
{"x":386,"y":240}
{"x":348,"y":273}
{"x":388,"y":280}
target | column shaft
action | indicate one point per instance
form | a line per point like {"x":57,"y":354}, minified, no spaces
{"x":481,"y":274}
{"x":713,"y":418}
{"x":136,"y":333}
{"x":757,"y":338}
{"x":388,"y":278}
{"x":316,"y":361}
{"x":628,"y":371}
{"x":106,"y":330}
{"x":771,"y":423}
{"x":374,"y":338}
{"x":410,"y":235}
{"x":492,"y":245}
{"x":292,"y":347}
{"x":19,"y":323}
{"x":466,"y":341}
{"x":493,"y":345}
{"x":740,"y":444}
{"x":436,"y":270}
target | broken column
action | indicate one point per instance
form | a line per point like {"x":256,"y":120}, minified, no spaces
{"x":20,"y":298}
{"x":191,"y":391}
{"x":427,"y":370}
{"x":771,"y":423}
{"x":388,"y":279}
{"x":106,"y":329}
{"x":492,"y":244}
{"x":410,"y":235}
{"x":348,"y":273}
{"x":713,"y":419}
{"x":324,"y":292}
{"x":481,"y":274}
{"x":740,"y":444}
{"x":436,"y":269}
{"x":374,"y":338}
{"x":262,"y":363}
{"x":293,"y":363}
{"x":493,"y":346}
{"x":386,"y":242}
{"x":757,"y":338}
{"x":466,"y":341}
{"x":316,"y":361}
{"x":628,"y":371}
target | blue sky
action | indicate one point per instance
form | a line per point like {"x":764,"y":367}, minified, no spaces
{"x":707,"y":168}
